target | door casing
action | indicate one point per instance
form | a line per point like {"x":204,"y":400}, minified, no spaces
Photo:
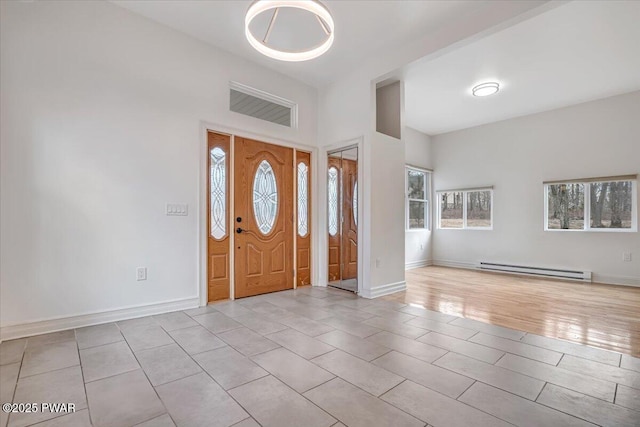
{"x":202,"y":211}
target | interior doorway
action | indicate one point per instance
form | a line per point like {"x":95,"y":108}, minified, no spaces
{"x":342,"y":213}
{"x":258,"y":222}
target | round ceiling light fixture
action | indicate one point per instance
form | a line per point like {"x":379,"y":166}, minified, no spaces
{"x":321,"y":13}
{"x":485,"y":89}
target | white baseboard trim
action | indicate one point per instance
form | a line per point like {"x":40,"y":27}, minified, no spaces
{"x":418,"y":264}
{"x":382,"y":290}
{"x":53,"y":325}
{"x":454,"y":264}
{"x":595,"y":277}
{"x":615,"y":280}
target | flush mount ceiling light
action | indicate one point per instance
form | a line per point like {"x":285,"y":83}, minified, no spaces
{"x":325,"y":20}
{"x":485,"y":89}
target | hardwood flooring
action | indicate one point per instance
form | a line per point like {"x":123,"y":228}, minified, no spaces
{"x":597,"y":315}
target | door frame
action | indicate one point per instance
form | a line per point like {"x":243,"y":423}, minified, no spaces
{"x":322,"y":209}
{"x":203,"y":209}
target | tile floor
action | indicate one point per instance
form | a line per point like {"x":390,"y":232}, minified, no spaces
{"x":315,"y":357}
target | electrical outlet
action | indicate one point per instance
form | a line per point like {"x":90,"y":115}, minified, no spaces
{"x":377,"y":262}
{"x":421,"y":246}
{"x":626,"y":256}
{"x":141,"y":273}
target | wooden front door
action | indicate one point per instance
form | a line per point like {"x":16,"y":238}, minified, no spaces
{"x":349,"y":222}
{"x":263,"y":220}
{"x":334,"y":212}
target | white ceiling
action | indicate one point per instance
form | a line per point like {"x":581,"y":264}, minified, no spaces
{"x":363,"y":28}
{"x":573,"y":53}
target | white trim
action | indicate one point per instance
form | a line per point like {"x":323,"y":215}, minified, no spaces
{"x":202,"y":210}
{"x":464,"y":208}
{"x":248,"y":90}
{"x":382,"y":290}
{"x":418,"y":264}
{"x":60,"y":324}
{"x":595,"y":277}
{"x":615,"y":280}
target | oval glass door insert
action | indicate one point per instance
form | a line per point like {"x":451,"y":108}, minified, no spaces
{"x":265,"y":197}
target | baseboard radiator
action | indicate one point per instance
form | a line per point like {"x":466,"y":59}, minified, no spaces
{"x":583,"y":276}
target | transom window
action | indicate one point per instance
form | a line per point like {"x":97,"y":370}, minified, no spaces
{"x":417,"y":198}
{"x":591,"y":204}
{"x":466,"y":209}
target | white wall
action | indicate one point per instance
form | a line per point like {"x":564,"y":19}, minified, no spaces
{"x":101,"y":127}
{"x":417,"y":243}
{"x":598,"y":138}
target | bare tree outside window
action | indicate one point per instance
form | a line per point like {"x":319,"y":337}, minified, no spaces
{"x":592,"y":206}
{"x":479,"y":209}
{"x":565,"y":207}
{"x":417,"y":198}
{"x":451,"y":213}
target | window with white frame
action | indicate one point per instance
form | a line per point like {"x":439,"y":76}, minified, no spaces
{"x":417,"y":198}
{"x":592,"y":204}
{"x":466,"y":208}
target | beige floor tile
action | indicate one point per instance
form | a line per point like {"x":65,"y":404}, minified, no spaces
{"x":52,"y":338}
{"x":247,"y":342}
{"x":107,"y":360}
{"x":174,"y":320}
{"x":300,"y":343}
{"x":443,"y":328}
{"x":196,"y":339}
{"x":167,"y":363}
{"x":428,"y":314}
{"x":365,"y":375}
{"x":12,"y":351}
{"x":434,"y":377}
{"x":589,"y":408}
{"x":504,"y":379}
{"x":260,"y":324}
{"x":308,"y":327}
{"x":146,"y":337}
{"x":93,"y":336}
{"x":436,"y":409}
{"x":601,"y":370}
{"x":228,"y":367}
{"x":273,"y":404}
{"x":76,"y":419}
{"x":161,"y":421}
{"x":515,"y":347}
{"x":49,"y":357}
{"x":395,"y":327}
{"x":628,"y":397}
{"x":122,"y":401}
{"x":629,"y":362}
{"x":197,"y":401}
{"x":419,"y":350}
{"x":293,"y":370}
{"x":515,"y":409}
{"x":217,"y":322}
{"x":498,"y":331}
{"x":366,"y":350}
{"x":357,"y":408}
{"x":358,"y":329}
{"x":586,"y":384}
{"x":60,"y":386}
{"x":466,"y":348}
{"x":595,"y":354}
{"x":8,"y":381}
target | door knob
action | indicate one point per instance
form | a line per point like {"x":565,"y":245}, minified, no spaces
{"x":239,"y":230}
{"x":238,"y":219}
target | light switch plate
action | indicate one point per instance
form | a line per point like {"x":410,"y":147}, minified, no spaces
{"x":177,"y":209}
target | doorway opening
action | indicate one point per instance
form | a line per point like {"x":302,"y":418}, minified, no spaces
{"x":258,"y":219}
{"x":342,"y":216}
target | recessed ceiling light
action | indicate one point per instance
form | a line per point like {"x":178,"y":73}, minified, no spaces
{"x":485,"y":89}
{"x":325,"y":20}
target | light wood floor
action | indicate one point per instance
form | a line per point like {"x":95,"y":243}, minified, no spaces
{"x":597,"y":315}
